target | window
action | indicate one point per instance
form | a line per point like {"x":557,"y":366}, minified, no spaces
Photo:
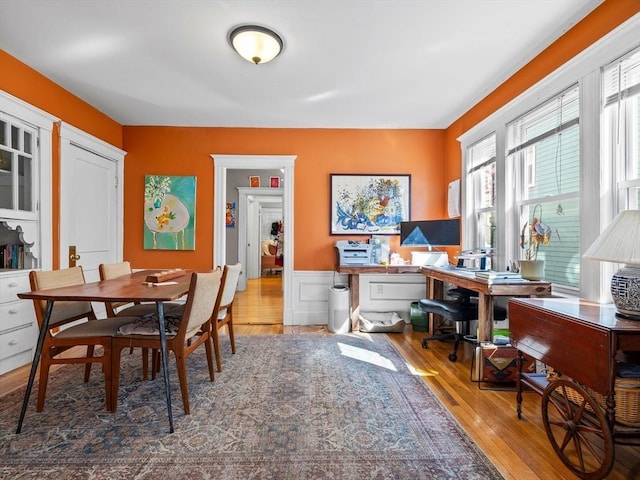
{"x":621,"y":102}
{"x":481,"y":178}
{"x":568,"y":147}
{"x":543,"y":153}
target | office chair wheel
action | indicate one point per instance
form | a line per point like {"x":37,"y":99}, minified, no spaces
{"x":453,"y":357}
{"x":425,"y":344}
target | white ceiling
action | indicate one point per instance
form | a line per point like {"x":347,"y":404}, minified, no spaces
{"x":346,"y":63}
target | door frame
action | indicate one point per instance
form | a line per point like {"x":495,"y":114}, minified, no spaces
{"x":71,"y":136}
{"x":244,"y":193}
{"x":224,"y":162}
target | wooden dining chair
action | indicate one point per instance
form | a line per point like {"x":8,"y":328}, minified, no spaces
{"x":60,"y":336}
{"x":193,"y":330}
{"x":109,"y":271}
{"x":225,"y":313}
{"x":122,"y":309}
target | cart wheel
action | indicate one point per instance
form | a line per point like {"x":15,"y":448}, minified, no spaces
{"x":425,"y":344}
{"x":453,"y":357}
{"x":577,"y":429}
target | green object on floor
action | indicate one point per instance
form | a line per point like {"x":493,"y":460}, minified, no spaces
{"x":419,"y":319}
{"x":501,"y":331}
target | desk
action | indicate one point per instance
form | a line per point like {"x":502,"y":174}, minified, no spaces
{"x":354,"y":273}
{"x":128,"y":288}
{"x":487,"y":289}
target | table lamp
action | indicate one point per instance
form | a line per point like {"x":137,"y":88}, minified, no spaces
{"x":620,"y":242}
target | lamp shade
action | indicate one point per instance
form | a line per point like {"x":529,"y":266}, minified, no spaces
{"x":256,"y":44}
{"x":620,"y":241}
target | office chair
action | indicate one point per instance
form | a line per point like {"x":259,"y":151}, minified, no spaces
{"x":461,"y":311}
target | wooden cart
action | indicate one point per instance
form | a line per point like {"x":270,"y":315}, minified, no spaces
{"x":582,"y":341}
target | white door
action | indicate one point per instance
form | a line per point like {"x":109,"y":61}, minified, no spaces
{"x":90,"y":212}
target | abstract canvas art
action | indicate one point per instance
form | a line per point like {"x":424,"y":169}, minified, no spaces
{"x":169,"y":212}
{"x":369,"y":204}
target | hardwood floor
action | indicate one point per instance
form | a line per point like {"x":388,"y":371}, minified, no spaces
{"x":518,"y":448}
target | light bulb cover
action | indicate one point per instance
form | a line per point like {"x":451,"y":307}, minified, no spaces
{"x":255,"y":43}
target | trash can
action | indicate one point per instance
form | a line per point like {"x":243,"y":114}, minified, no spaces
{"x":339,"y":319}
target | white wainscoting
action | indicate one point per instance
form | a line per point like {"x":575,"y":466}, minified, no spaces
{"x":378,"y":293}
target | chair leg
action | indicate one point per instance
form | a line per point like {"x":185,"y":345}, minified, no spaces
{"x":116,"y":351}
{"x":87,"y":367}
{"x":216,"y":346}
{"x":182,"y":376}
{"x":231,"y":337}
{"x":145,"y":363}
{"x":209,"y":350}
{"x":45,"y":364}
{"x":155,"y":363}
{"x":108,"y":370}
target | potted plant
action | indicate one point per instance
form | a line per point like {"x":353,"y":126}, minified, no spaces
{"x":534,"y":234}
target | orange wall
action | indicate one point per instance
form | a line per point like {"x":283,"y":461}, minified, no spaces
{"x":432,"y":157}
{"x":187,"y":151}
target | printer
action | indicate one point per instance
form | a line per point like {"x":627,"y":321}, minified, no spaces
{"x":353,"y":253}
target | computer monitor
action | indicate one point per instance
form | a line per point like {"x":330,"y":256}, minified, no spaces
{"x":430,"y":233}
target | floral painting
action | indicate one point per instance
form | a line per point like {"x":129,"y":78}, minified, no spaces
{"x":169,"y":212}
{"x":369,"y":204}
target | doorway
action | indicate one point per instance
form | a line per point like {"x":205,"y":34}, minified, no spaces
{"x":285,"y":163}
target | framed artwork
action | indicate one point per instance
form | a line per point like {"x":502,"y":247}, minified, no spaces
{"x":369,"y":204}
{"x":169,"y":213}
{"x":254,"y":181}
{"x":230,"y":216}
{"x":274,"y":182}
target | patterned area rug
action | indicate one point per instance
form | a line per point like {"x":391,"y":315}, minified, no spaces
{"x":285,"y":407}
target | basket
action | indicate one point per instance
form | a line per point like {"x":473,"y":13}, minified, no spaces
{"x":627,"y":392}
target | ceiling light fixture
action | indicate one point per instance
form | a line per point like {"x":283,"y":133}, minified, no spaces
{"x":256,"y":44}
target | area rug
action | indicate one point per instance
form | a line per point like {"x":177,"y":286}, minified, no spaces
{"x":308,"y":406}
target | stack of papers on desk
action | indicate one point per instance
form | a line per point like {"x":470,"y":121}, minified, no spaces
{"x":491,"y":275}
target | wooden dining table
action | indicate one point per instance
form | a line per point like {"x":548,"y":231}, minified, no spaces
{"x":128,"y":288}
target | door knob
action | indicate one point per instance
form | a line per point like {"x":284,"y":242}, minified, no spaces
{"x":72,"y":256}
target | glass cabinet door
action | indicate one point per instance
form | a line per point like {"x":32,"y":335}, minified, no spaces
{"x":17,"y":145}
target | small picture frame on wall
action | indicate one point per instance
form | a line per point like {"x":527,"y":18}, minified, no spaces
{"x":254,"y":181}
{"x":274,"y":182}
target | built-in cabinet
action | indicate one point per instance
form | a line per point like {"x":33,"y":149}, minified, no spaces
{"x":25,"y":222}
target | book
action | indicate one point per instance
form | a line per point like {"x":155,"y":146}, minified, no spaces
{"x":491,"y":275}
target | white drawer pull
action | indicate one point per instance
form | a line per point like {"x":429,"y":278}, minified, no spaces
{"x":13,"y":342}
{"x":13,"y":311}
{"x":13,"y":284}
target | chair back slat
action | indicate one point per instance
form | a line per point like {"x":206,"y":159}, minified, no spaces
{"x":63,"y":312}
{"x":202,"y":298}
{"x":114,"y":270}
{"x":230,"y":286}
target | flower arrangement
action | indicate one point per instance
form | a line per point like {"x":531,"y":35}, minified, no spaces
{"x":534,"y":234}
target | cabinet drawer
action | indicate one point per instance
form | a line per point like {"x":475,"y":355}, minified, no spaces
{"x":17,"y":341}
{"x":16,"y":314}
{"x":11,"y":285}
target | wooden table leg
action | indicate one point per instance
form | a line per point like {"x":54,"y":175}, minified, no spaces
{"x":354,"y":290}
{"x":485,"y":317}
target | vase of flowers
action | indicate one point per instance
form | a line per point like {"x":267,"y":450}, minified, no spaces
{"x":534,"y":234}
